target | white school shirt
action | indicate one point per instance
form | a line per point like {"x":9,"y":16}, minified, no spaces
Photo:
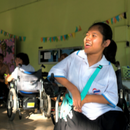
{"x":76,"y":69}
{"x":28,"y":68}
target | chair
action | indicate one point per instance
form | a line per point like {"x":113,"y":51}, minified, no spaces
{"x":27,"y":92}
{"x":122,"y":92}
{"x":54,"y":90}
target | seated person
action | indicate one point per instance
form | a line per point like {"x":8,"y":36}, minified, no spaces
{"x":91,"y":103}
{"x":23,"y":60}
{"x":4,"y":69}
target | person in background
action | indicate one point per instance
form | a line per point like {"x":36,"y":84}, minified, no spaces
{"x":22,"y":59}
{"x":4,"y":70}
{"x":88,"y":75}
{"x":62,"y":56}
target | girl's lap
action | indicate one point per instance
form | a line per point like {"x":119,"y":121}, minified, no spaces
{"x":111,"y":120}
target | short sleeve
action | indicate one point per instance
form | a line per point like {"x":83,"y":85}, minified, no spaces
{"x":111,"y":92}
{"x":61,"y":69}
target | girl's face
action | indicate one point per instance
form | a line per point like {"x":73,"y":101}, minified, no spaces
{"x":18,"y":61}
{"x":93,"y":41}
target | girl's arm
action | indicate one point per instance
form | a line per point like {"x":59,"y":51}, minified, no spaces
{"x":73,"y":90}
{"x":94,"y":98}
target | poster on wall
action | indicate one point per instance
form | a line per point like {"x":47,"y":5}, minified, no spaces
{"x":51,"y":56}
{"x":48,"y":56}
{"x":7,"y":48}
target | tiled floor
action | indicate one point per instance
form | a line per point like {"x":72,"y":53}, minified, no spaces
{"x":32,"y":122}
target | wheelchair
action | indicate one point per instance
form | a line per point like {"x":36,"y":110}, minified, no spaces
{"x":55,"y":91}
{"x":121,"y":92}
{"x":27,"y":92}
{"x":123,"y":95}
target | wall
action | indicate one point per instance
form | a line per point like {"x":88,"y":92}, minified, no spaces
{"x":46,"y":18}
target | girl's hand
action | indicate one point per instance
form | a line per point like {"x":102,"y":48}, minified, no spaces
{"x":73,"y":90}
{"x":76,"y":109}
{"x":76,"y":99}
{"x":82,"y":103}
{"x":79,"y":110}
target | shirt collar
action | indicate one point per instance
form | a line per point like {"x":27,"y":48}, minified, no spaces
{"x":83,"y":55}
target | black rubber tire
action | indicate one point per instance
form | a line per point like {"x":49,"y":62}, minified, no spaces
{"x":11,"y":104}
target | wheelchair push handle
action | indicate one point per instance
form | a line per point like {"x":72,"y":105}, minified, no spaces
{"x":43,"y":66}
{"x":51,"y":87}
{"x":52,"y":79}
{"x":117,"y":64}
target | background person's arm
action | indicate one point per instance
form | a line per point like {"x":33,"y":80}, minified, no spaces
{"x":9,"y":78}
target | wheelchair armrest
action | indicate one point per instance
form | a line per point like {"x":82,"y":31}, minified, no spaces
{"x":43,"y":66}
{"x":51,"y":88}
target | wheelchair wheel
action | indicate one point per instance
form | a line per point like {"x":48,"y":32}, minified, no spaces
{"x":46,"y":105}
{"x":57,"y":108}
{"x":58,"y":103}
{"x":11,"y":104}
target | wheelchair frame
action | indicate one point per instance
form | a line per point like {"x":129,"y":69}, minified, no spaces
{"x":14,"y":97}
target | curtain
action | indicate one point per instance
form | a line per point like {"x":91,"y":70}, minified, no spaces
{"x":7,"y":48}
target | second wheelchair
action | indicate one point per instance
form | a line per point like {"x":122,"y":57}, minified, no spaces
{"x":27,"y":92}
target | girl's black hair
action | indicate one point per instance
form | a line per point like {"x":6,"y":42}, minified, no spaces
{"x":106,"y":31}
{"x":24,"y":57}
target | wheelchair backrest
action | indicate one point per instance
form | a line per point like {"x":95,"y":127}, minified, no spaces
{"x":29,"y":81}
{"x":121,"y":92}
{"x":51,"y":87}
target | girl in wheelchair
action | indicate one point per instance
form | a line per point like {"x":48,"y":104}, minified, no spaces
{"x":91,"y":103}
{"x":23,"y":60}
